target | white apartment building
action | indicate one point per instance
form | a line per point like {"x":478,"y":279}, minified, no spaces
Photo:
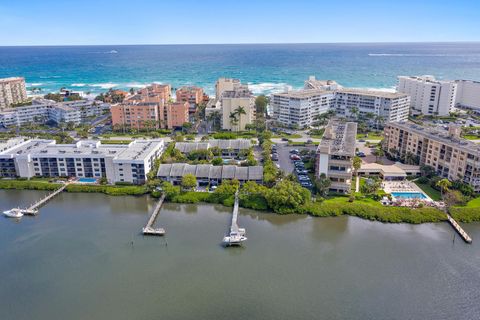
{"x":391,"y":106}
{"x":427,"y":95}
{"x":468,"y":94}
{"x":86,"y":158}
{"x":43,"y":110}
{"x":12,"y":91}
{"x":328,"y":85}
{"x":227,"y":84}
{"x":334,"y":156}
{"x":299,"y":108}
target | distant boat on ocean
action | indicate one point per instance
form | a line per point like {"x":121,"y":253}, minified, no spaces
{"x":113,"y":51}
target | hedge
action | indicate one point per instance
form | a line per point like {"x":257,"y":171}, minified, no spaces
{"x":110,"y":190}
{"x":28,"y":185}
{"x":465,"y":214}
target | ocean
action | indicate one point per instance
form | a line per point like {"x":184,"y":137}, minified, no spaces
{"x":266,"y":67}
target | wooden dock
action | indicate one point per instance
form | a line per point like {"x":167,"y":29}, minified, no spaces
{"x":149,"y":229}
{"x":459,"y":229}
{"x":236,"y":235}
{"x":32,"y":210}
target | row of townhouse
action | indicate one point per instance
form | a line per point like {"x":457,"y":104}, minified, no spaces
{"x":228,"y":148}
{"x":43,"y":110}
{"x":209,"y":174}
{"x":85,"y":159}
{"x":451,"y":156}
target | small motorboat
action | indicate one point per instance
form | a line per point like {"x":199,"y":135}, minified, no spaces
{"x":13,"y":213}
{"x":234,"y":239}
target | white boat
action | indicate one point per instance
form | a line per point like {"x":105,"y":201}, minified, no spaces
{"x":113,"y":51}
{"x":13,"y":213}
{"x":234,"y":239}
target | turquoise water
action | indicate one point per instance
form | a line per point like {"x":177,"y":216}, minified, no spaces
{"x":267,"y":67}
{"x":409,"y":195}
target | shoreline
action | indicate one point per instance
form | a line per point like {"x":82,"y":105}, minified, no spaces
{"x":326,"y":208}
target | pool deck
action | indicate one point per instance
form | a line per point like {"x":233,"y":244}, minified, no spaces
{"x":403,"y":187}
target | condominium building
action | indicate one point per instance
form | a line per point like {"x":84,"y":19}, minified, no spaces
{"x":192,"y":95}
{"x":92,"y":159}
{"x":238,"y":109}
{"x":299,"y":108}
{"x":390,"y":106}
{"x":43,"y":110}
{"x":226,"y":84}
{"x":12,"y":91}
{"x":428,"y":96}
{"x":334,"y":156}
{"x":328,"y":85}
{"x":208,"y":174}
{"x":468,"y":94}
{"x":150,"y":108}
{"x":451,"y":156}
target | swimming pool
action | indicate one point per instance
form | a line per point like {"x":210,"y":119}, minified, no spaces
{"x":409,"y":195}
{"x":87,"y":180}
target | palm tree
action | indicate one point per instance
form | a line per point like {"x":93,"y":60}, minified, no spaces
{"x":378,"y":119}
{"x":443,"y":184}
{"x":233,"y":119}
{"x":354,"y":112}
{"x":357,"y":163}
{"x":240,"y":111}
{"x":214,"y":117}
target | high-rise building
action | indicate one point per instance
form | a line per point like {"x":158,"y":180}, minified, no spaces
{"x":468,"y":94}
{"x":238,"y":109}
{"x":226,"y":84}
{"x":192,"y":95}
{"x":12,"y":91}
{"x":451,"y":156}
{"x":334,"y":156}
{"x":428,"y":96}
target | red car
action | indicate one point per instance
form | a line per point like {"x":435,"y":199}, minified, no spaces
{"x":295,"y":157}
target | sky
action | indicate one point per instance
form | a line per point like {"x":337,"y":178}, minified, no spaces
{"x":89,"y":22}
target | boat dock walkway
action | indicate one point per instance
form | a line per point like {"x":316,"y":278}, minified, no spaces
{"x":149,"y":229}
{"x":32,"y":210}
{"x":459,"y":229}
{"x":236,"y":235}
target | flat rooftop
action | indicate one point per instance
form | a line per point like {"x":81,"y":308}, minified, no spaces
{"x":438,"y":134}
{"x":373,"y":93}
{"x":304,"y":93}
{"x":243,"y":93}
{"x":339,"y":138}
{"x":235,"y":144}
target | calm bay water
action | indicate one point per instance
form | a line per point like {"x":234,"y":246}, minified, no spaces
{"x":76,"y":261}
{"x":267,"y":67}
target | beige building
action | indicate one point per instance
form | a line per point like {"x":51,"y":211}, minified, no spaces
{"x":12,"y":91}
{"x":451,"y":156}
{"x":227,"y":84}
{"x":238,"y":109}
{"x":335,"y":153}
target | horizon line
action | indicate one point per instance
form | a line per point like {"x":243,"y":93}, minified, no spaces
{"x":238,"y":43}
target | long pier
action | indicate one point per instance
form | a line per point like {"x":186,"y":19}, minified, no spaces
{"x":149,"y":229}
{"x":459,"y":229}
{"x":33,"y":209}
{"x":237,"y":234}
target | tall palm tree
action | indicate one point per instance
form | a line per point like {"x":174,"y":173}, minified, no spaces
{"x":240,"y":111}
{"x":214,"y":117}
{"x":379,"y":119}
{"x":443,"y":184}
{"x":233,"y":119}
{"x":354,"y":112}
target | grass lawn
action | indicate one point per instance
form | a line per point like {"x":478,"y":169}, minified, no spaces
{"x":471,"y":137}
{"x":475,"y":203}
{"x":115,"y":141}
{"x":370,"y":136}
{"x":432,"y":193}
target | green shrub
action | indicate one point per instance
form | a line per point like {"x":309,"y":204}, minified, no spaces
{"x":465,"y":214}
{"x":28,"y":185}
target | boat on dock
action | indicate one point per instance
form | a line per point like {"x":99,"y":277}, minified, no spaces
{"x":236,"y":236}
{"x":234,"y":239}
{"x":149,"y":229}
{"x":13,"y":213}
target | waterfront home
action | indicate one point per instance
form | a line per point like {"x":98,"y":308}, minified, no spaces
{"x":207,"y":173}
{"x":229,"y":148}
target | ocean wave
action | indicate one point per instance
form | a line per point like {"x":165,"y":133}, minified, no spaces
{"x":390,"y":89}
{"x":414,"y":55}
{"x":78,"y":84}
{"x":137,"y":85}
{"x":107,"y":85}
{"x":50,"y":77}
{"x":34,"y":84}
{"x":267,"y":87}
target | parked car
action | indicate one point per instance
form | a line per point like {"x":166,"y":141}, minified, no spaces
{"x":361,"y":140}
{"x":284,"y":139}
{"x":303,"y":178}
{"x":360,"y":154}
{"x":300,"y":171}
{"x":294,"y":151}
{"x":274,"y":157}
{"x":295,"y":157}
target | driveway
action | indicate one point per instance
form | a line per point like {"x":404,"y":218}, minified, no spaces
{"x":286,"y":165}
